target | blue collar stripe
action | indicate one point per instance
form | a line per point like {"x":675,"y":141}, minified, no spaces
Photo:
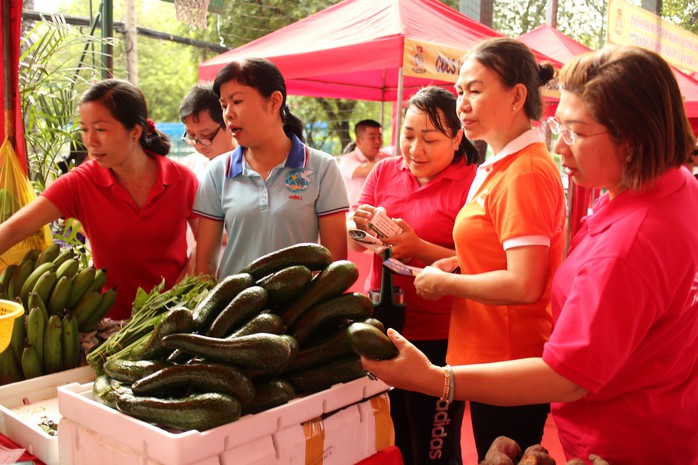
{"x":297,"y":158}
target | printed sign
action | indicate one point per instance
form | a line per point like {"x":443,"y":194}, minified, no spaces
{"x":632,"y":25}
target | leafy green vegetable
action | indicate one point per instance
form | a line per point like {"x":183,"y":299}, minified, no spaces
{"x":148,"y":310}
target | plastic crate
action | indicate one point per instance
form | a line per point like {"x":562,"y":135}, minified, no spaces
{"x":22,"y":405}
{"x":328,"y":428}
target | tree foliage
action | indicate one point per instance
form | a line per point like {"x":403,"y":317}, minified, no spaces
{"x":168,"y":70}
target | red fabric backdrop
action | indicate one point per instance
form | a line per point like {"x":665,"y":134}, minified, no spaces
{"x":12,"y":120}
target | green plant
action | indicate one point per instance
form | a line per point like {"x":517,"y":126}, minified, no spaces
{"x":49,"y":92}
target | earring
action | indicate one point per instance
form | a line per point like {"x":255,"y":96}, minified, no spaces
{"x":513,"y":108}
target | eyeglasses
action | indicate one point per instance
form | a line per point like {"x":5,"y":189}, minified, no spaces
{"x":205,"y":141}
{"x":569,"y":137}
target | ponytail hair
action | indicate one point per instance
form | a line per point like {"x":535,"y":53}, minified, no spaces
{"x":264,"y":76}
{"x":292,"y":123}
{"x":126,"y":104}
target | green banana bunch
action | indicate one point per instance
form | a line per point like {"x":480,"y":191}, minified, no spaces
{"x":21,"y":273}
{"x":6,"y":275}
{"x":82,"y":281}
{"x":36,"y":332}
{"x":68,"y":268}
{"x":31,"y":254}
{"x":70,"y":342}
{"x":10,"y":371}
{"x":59,"y":296}
{"x":31,"y":365}
{"x":17,"y":339}
{"x":108,"y":299}
{"x":65,"y":255}
{"x":53,"y":345}
{"x":36,"y":302}
{"x":99,"y":280}
{"x":31,"y":280}
{"x":44,"y":285}
{"x":86,"y":308}
{"x":49,"y":254}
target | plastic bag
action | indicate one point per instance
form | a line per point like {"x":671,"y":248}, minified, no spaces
{"x":16,"y":192}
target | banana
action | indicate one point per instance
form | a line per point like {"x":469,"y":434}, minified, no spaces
{"x":9,"y":370}
{"x":108,"y":299}
{"x":59,"y":296}
{"x":71,"y":342}
{"x":31,"y":365}
{"x":36,"y":332}
{"x":81,"y":283}
{"x":24,"y":269}
{"x":49,"y":254}
{"x":86,"y":308}
{"x":99,"y":281}
{"x":45,"y":284}
{"x":53,"y":351}
{"x":68,"y":268}
{"x":66,"y":254}
{"x":29,"y":284}
{"x":17,"y":338}
{"x":36,"y":302}
{"x":6,"y":275}
{"x":31,"y":254}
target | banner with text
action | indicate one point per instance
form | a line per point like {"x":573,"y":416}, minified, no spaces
{"x":632,"y":25}
{"x":431,"y":61}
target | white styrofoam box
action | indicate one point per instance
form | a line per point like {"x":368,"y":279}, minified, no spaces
{"x":264,"y":438}
{"x":22,"y":405}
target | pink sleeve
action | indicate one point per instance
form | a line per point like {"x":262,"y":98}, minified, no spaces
{"x":368,"y":192}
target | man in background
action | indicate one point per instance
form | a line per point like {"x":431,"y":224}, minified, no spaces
{"x":358,"y":163}
{"x":204,"y":129}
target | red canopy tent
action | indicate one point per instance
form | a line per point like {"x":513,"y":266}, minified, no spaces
{"x":378,"y":50}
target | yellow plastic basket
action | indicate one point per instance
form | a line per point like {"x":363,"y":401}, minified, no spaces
{"x":9,"y":311}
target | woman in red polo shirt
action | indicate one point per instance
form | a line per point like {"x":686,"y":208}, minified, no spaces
{"x":132,"y":201}
{"x":423,"y":190}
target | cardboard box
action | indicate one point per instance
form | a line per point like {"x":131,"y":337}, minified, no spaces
{"x":325,"y":428}
{"x":23,"y":404}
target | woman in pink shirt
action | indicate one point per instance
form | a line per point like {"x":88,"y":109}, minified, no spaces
{"x":620,"y":365}
{"x":423,"y":190}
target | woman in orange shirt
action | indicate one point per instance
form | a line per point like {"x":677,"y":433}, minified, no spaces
{"x":509,"y":235}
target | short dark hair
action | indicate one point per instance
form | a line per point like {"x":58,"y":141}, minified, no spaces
{"x":436,"y":102}
{"x":515,"y":64}
{"x":201,"y":98}
{"x":634,"y":94}
{"x":126,"y":103}
{"x":364,"y":124}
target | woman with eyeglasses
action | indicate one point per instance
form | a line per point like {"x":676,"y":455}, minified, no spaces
{"x":272,"y":191}
{"x":620,"y":364}
{"x":133,"y":202}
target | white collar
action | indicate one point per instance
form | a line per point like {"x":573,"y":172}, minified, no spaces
{"x":516,"y":145}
